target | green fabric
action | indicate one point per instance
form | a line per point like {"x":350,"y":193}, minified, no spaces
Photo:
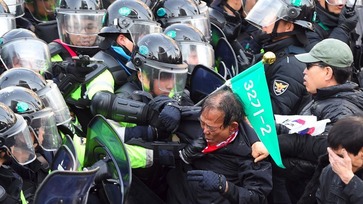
{"x":100,"y":80}
{"x":56,"y":58}
{"x":137,"y":156}
{"x":251,"y":87}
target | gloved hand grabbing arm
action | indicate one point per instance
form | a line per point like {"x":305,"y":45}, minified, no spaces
{"x":348,"y":19}
{"x":193,"y":150}
{"x":169,"y":110}
{"x":208,"y":180}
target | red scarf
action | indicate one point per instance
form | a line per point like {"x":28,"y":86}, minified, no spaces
{"x":212,"y":148}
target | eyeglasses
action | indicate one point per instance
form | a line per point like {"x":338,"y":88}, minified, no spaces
{"x":310,"y":65}
{"x":336,"y":2}
{"x":208,"y":127}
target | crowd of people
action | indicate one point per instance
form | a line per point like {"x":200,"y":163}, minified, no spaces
{"x":132,"y":63}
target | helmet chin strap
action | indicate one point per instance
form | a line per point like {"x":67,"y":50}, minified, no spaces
{"x":274,"y":34}
{"x":238,"y":15}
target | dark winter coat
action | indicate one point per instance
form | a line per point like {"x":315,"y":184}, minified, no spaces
{"x":248,"y":182}
{"x":285,"y":77}
{"x":333,"y":190}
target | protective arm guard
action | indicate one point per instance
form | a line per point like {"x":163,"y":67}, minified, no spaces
{"x":120,"y":109}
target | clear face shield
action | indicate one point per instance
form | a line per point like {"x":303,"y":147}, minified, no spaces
{"x":248,"y":5}
{"x":52,"y":97}
{"x":336,"y":2}
{"x":20,"y":143}
{"x":163,"y":78}
{"x":80,"y":29}
{"x":7,"y":22}
{"x":138,"y":28}
{"x":42,"y":10}
{"x":267,"y":12}
{"x":44,"y":127}
{"x":16,"y":7}
{"x":26,"y":52}
{"x":195,"y":53}
{"x":356,"y":3}
{"x":201,"y":22}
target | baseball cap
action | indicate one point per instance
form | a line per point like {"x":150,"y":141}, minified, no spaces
{"x":330,"y":51}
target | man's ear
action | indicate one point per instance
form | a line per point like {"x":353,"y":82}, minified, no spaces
{"x":233,"y":127}
{"x":120,"y":39}
{"x":361,"y":152}
{"x":289,"y":26}
{"x":329,"y":73}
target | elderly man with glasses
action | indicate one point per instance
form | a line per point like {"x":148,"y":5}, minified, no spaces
{"x":224,"y":170}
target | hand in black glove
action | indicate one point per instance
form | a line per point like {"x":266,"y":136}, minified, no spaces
{"x":103,"y":173}
{"x":281,"y":129}
{"x":243,"y":61}
{"x":208,"y":180}
{"x":169,"y":110}
{"x":193,"y":150}
{"x":348,"y":19}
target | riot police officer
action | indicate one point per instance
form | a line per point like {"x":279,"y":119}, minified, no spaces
{"x":16,"y":146}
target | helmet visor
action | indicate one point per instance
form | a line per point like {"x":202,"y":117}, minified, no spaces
{"x":20,"y":143}
{"x":42,"y":10}
{"x":52,"y":97}
{"x":267,"y":12}
{"x":16,"y":7}
{"x":357,"y":3}
{"x":80,"y":29}
{"x":26,"y":52}
{"x":7,"y":22}
{"x":165,"y":79}
{"x":336,"y":2}
{"x":45,"y":129}
{"x":140,"y":28}
{"x":201,"y":22}
{"x":195,"y":53}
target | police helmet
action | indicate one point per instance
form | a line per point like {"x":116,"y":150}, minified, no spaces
{"x":79,"y":22}
{"x":7,"y":20}
{"x":183,"y":11}
{"x":17,"y":33}
{"x":16,"y":7}
{"x":41,"y":10}
{"x":41,"y":120}
{"x":267,"y":12}
{"x":26,"y":52}
{"x":193,"y":44}
{"x":159,"y":59}
{"x":46,"y":90}
{"x":15,"y":137}
{"x":133,"y":18}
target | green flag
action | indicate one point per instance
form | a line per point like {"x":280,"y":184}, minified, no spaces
{"x":251,"y":87}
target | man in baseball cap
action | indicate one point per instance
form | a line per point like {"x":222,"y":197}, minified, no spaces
{"x":326,"y":78}
{"x":328,"y":63}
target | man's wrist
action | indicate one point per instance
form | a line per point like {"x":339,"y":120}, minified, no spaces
{"x":347,"y":177}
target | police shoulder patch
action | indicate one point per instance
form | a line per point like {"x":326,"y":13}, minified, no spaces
{"x":280,"y":87}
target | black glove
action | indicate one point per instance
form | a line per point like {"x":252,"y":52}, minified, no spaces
{"x":146,"y":133}
{"x":193,"y":150}
{"x":281,"y":129}
{"x":169,"y":110}
{"x":243,"y":61}
{"x":103,"y":173}
{"x":348,"y":19}
{"x":208,"y":180}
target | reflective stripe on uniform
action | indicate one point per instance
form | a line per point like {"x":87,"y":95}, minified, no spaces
{"x":139,"y":157}
{"x":56,"y":58}
{"x":103,"y":82}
